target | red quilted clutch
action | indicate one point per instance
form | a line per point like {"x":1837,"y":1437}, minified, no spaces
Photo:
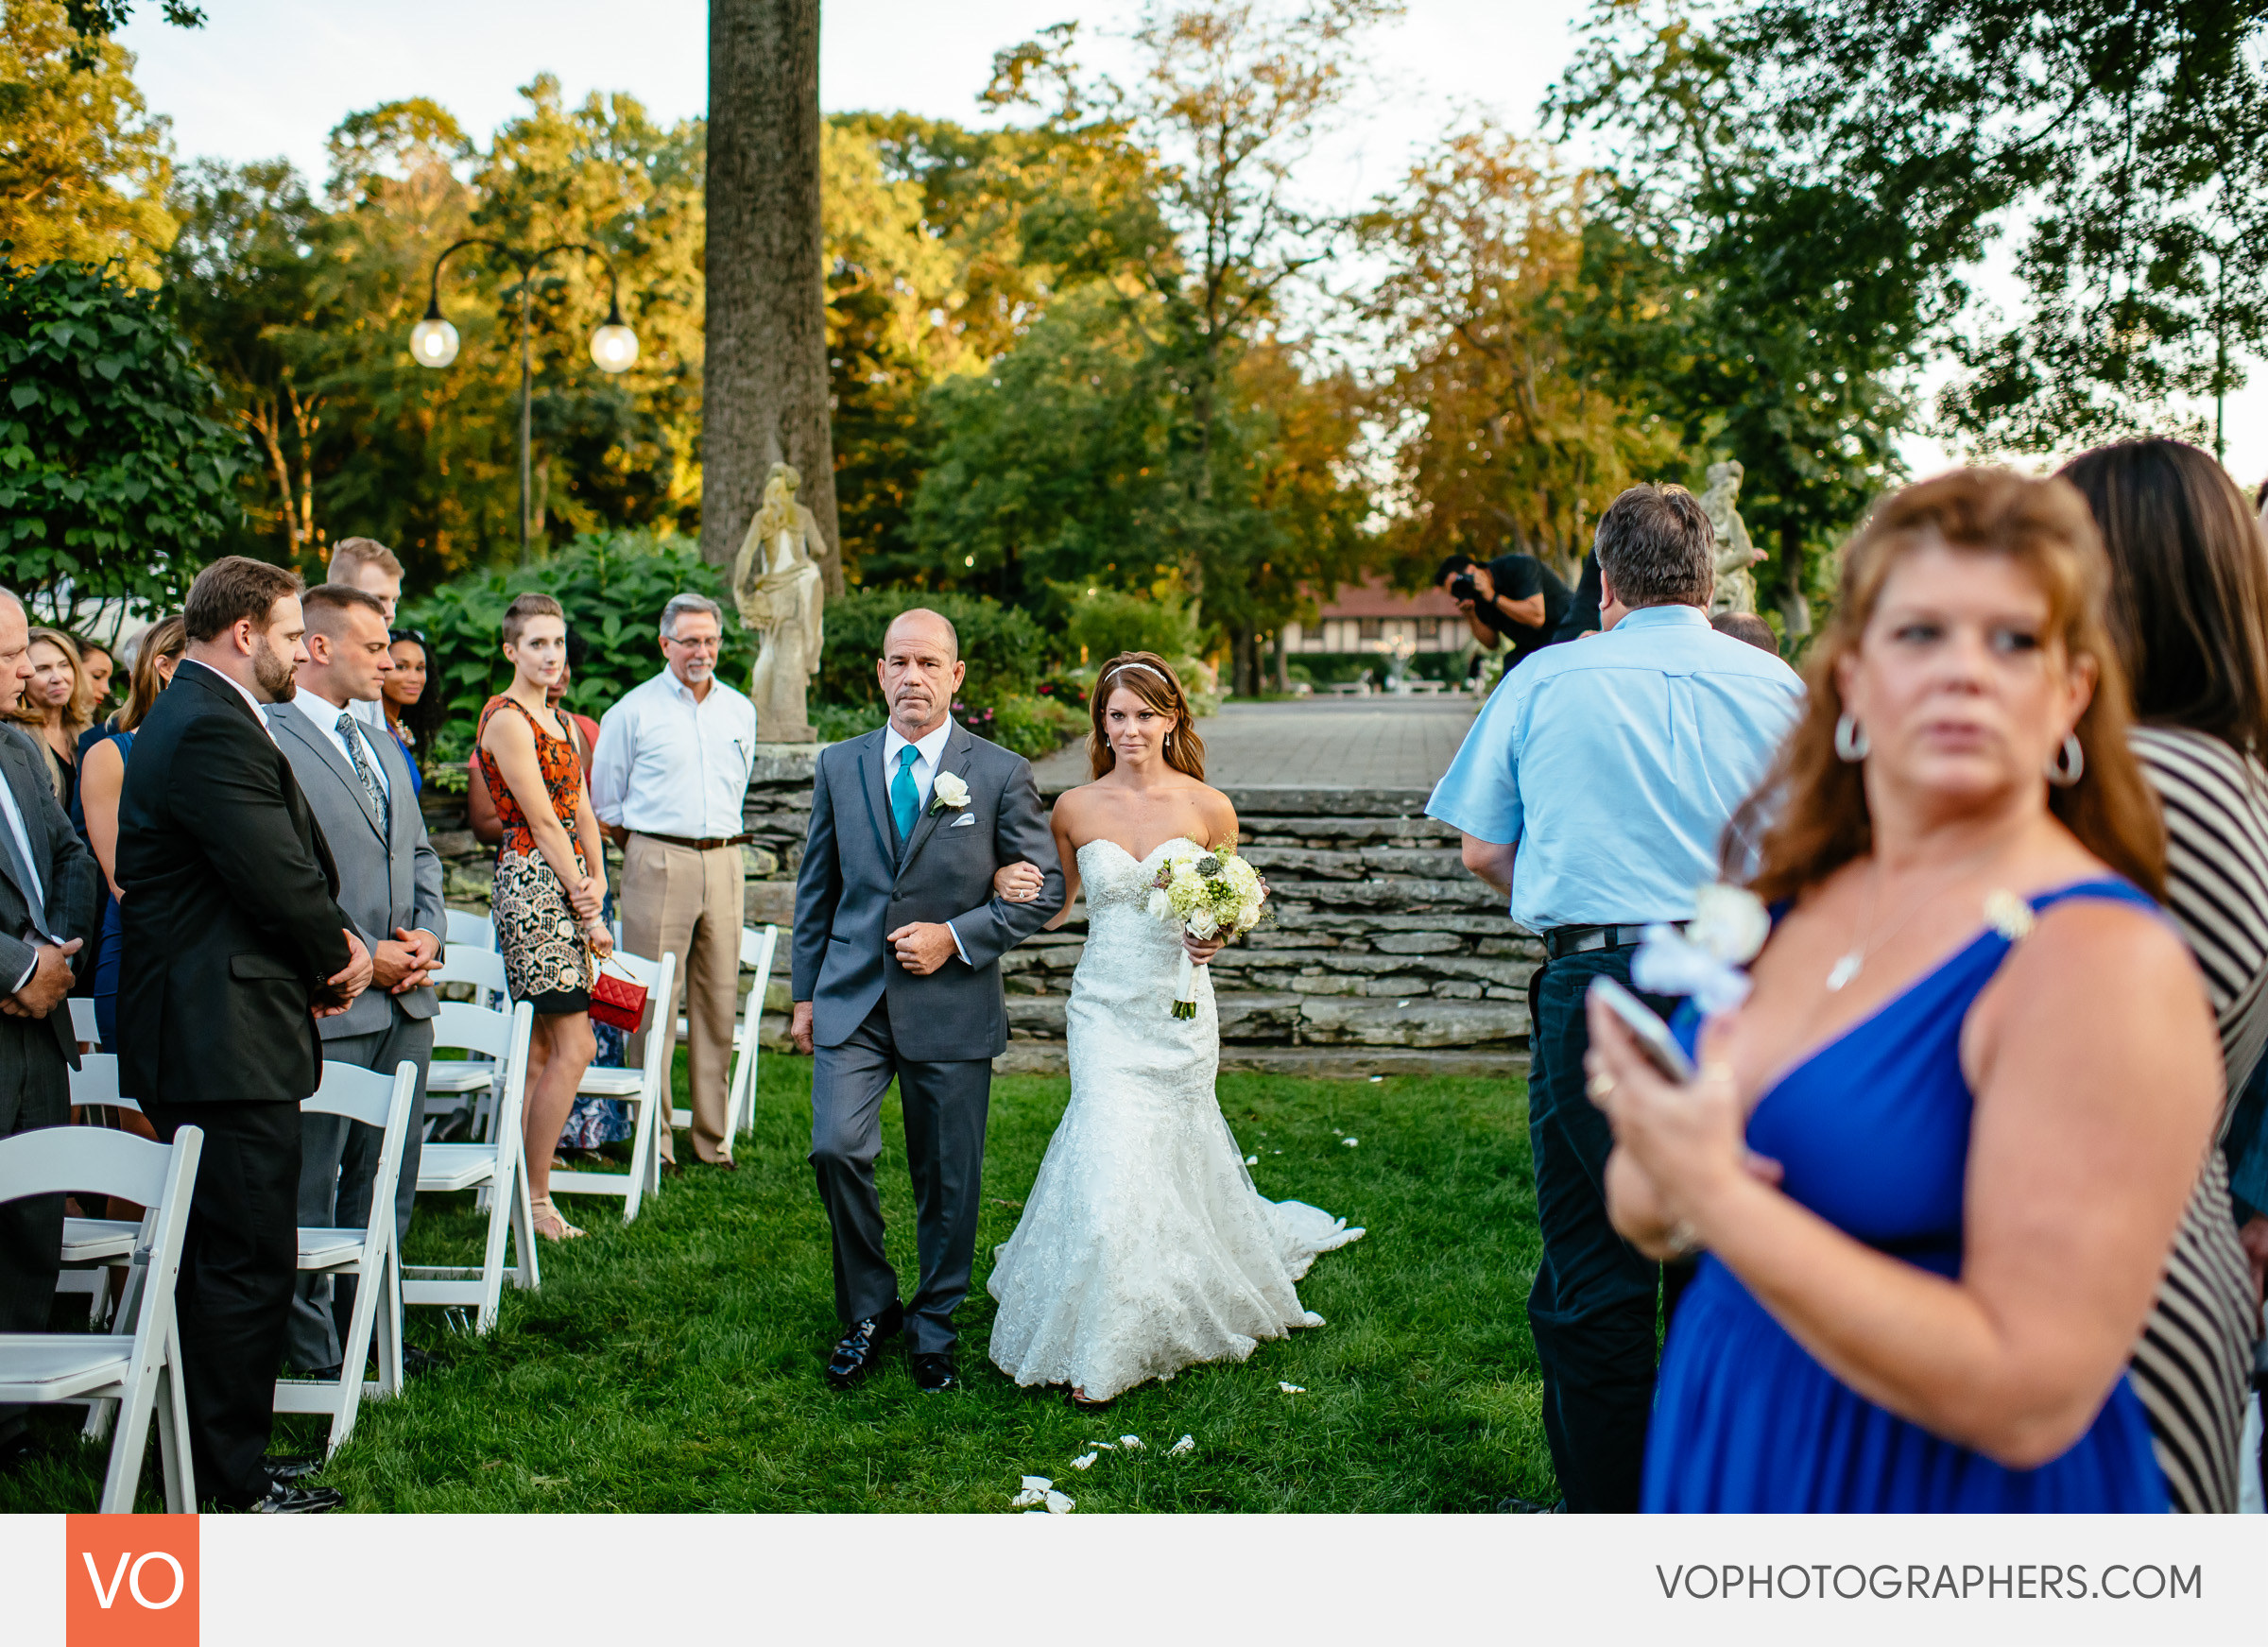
{"x":617,"y":998}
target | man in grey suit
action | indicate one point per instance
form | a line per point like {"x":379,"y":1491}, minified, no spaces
{"x":46,"y":908}
{"x":898,"y":940}
{"x":357,"y":784}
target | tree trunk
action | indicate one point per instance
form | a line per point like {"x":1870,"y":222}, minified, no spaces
{"x":764,"y":388}
{"x":1244,"y":670}
{"x":1283,"y":663}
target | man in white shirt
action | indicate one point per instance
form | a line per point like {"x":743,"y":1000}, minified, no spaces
{"x":369,"y":565}
{"x":670,"y":779}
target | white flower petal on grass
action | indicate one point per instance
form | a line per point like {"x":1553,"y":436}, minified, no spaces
{"x":1039,"y":1482}
{"x":1085,"y":1461}
{"x":1103,"y":1446}
{"x":1351,"y":1142}
{"x":1376,"y":1079}
{"x":1251,"y":1161}
{"x":1187,"y":1444}
{"x":1061,"y":1504}
{"x":1292,"y":1389}
{"x":1132,"y":1443}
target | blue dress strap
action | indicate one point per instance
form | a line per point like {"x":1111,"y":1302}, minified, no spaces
{"x":2108,"y":888}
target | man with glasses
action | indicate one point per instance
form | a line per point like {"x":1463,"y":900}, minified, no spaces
{"x":669,"y":779}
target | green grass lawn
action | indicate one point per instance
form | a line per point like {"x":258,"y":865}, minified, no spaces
{"x":675,"y":1364}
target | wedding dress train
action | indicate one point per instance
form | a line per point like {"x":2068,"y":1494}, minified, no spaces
{"x":1143,"y":1247}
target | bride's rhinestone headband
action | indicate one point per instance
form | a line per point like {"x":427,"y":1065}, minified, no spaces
{"x":1122,"y":668}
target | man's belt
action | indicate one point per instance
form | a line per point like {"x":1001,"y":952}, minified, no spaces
{"x":709,"y":844}
{"x":1562,"y":941}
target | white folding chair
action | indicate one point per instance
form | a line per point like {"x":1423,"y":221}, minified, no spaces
{"x":141,"y":1369}
{"x":757,"y":949}
{"x":468,"y":1078}
{"x":367,"y":1254}
{"x":646,"y":1089}
{"x":92,"y":1245}
{"x":493,"y":1165}
{"x":83,"y":1027}
{"x":475,"y":931}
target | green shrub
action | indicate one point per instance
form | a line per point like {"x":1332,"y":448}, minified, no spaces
{"x":614,"y":587}
{"x":834,"y":722}
{"x":1106,"y":622}
{"x":1004,"y":648}
{"x":1033,"y":727}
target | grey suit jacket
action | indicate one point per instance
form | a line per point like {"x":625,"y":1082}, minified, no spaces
{"x":384,"y":880}
{"x":66,"y":871}
{"x":856,"y":888}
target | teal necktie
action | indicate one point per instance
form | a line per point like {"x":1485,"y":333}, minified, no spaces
{"x":906,"y":799}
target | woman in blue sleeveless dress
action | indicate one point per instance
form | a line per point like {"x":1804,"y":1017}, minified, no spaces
{"x":1937,"y":1157}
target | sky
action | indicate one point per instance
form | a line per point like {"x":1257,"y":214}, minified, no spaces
{"x":264,"y":77}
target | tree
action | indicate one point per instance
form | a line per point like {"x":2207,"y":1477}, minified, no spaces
{"x":1508,"y":425}
{"x":2127,"y":138}
{"x":1795,"y":299}
{"x":114,"y":475}
{"x":765,"y":393}
{"x":83,"y":166}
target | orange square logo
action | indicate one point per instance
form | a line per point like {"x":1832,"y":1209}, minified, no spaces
{"x":130,"y":1581}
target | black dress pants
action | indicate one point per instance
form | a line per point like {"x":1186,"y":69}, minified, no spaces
{"x":233,"y":1299}
{"x":1593,"y":1309}
{"x":34,"y":1092}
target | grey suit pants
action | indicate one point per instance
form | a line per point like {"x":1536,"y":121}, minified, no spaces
{"x":946,"y":1105}
{"x":338,"y":1159}
{"x":35,"y":1091}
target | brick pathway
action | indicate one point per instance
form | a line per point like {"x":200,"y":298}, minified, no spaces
{"x":1368,"y":743}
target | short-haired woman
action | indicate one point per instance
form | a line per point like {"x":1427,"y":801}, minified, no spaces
{"x":102,"y":776}
{"x":2189,"y":614}
{"x":56,"y":706}
{"x":550,"y":881}
{"x":1937,"y":1159}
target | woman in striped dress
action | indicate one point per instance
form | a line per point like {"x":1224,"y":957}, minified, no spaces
{"x":2189,"y":612}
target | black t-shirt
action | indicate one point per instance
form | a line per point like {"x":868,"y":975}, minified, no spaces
{"x":1517,"y":577}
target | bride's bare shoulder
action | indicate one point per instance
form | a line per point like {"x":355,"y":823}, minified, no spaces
{"x":1218,"y":812}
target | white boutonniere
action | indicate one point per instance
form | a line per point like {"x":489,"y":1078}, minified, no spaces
{"x":1703,"y":961}
{"x":948,"y":791}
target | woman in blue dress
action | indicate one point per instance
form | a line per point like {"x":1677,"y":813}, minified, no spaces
{"x":1936,"y":1160}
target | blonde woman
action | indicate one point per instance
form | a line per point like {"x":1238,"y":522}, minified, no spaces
{"x":1144,"y":1247}
{"x":56,"y":707}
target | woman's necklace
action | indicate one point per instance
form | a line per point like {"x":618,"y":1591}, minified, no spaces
{"x":1862,"y":941}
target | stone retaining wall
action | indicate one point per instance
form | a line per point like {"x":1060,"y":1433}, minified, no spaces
{"x":1382,"y":952}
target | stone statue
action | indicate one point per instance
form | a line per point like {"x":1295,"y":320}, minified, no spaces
{"x":1736,"y":553}
{"x":776,"y":583}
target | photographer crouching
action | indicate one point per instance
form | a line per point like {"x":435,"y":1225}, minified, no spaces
{"x":1591,"y":791}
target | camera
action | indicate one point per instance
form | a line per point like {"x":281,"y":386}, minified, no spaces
{"x":1461,"y":587}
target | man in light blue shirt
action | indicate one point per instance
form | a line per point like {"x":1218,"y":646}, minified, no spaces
{"x":1593,"y":791}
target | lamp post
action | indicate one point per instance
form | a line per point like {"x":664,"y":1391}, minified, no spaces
{"x":614,"y":347}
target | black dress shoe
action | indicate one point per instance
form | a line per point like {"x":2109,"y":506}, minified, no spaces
{"x":291,"y":1471}
{"x":282,"y":1499}
{"x":861,"y":1348}
{"x":417,"y":1363}
{"x":15,"y":1451}
{"x":932,"y":1371}
{"x":671,"y":1170}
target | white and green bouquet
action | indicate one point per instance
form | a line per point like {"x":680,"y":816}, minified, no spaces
{"x":1207,"y":895}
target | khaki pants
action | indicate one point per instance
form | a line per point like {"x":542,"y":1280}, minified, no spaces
{"x":676,"y":901}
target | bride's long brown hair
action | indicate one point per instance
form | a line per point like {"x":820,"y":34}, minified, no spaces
{"x":1809,"y":817}
{"x":1152,"y":679}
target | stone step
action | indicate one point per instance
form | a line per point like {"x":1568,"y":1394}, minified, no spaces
{"x":1051,"y":1057}
{"x":1293,"y":1017}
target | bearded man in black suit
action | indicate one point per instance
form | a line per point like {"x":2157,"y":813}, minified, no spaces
{"x":234,"y":946}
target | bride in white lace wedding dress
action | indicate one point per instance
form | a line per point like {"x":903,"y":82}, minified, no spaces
{"x":1143,"y":1247}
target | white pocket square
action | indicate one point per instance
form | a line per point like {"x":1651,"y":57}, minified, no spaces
{"x":961,"y":822}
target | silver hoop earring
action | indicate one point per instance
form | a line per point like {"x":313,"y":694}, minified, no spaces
{"x":1850,"y":739}
{"x":2069,"y":764}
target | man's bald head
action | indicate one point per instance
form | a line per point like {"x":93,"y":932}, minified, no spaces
{"x":921,"y":669}
{"x":15,"y":650}
{"x":924,"y":616}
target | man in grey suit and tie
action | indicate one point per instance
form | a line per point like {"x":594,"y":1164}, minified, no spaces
{"x":357,"y":784}
{"x":898,"y":940}
{"x":46,"y":907}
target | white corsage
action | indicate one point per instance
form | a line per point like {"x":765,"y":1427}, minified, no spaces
{"x":948,"y":791}
{"x":1703,"y":961}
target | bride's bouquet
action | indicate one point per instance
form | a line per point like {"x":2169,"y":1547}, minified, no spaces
{"x":1206,"y":895}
